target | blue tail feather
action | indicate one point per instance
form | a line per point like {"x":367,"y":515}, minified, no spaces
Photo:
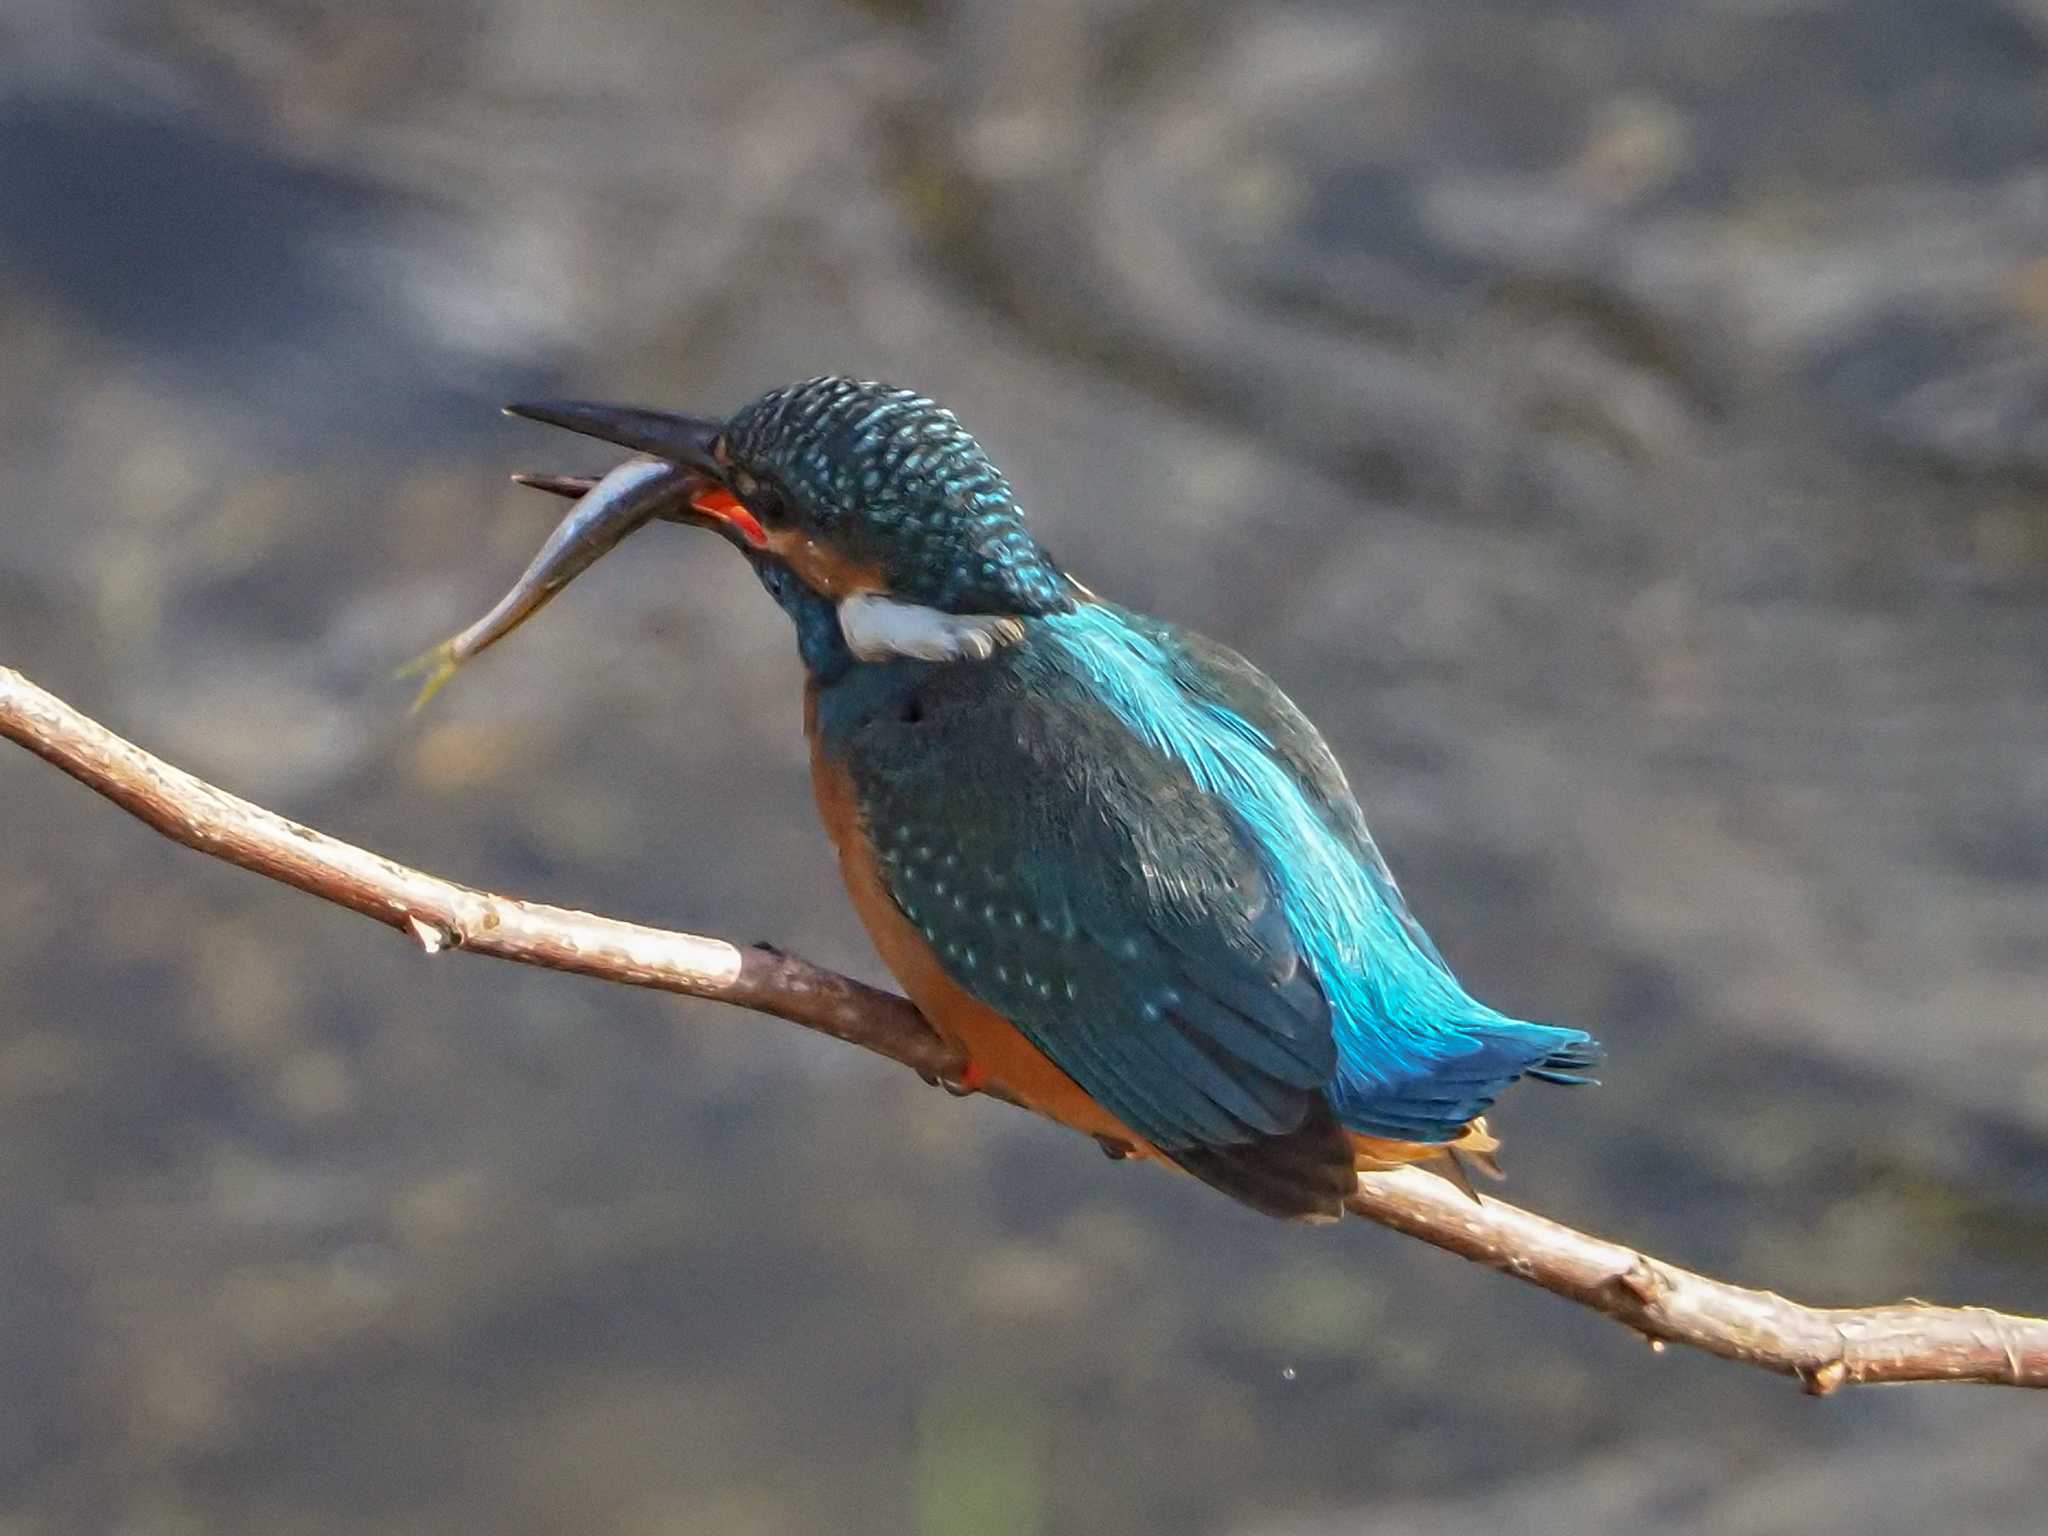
{"x":1451,"y":1092}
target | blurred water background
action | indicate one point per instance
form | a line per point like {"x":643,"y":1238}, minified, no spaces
{"x":1623,"y":426}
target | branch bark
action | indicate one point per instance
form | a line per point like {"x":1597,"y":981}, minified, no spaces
{"x":1824,"y":1348}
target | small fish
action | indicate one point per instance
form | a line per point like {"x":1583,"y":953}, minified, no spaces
{"x":606,"y":511}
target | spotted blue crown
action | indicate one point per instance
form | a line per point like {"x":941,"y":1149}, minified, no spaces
{"x":893,"y":479}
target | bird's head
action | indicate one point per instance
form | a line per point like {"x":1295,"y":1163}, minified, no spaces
{"x":848,"y":488}
{"x":869,"y":512}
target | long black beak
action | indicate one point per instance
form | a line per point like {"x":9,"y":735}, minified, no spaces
{"x":684,"y":440}
{"x":688,"y":442}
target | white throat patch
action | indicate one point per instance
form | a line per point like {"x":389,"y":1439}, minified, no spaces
{"x":878,"y":628}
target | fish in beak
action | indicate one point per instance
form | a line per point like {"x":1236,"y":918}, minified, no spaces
{"x":674,"y":476}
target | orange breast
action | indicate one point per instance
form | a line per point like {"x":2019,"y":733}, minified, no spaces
{"x":990,"y":1040}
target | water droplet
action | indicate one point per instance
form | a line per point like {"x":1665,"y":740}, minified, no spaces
{"x":1287,"y":1373}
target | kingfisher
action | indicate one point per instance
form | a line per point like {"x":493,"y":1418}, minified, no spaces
{"x":1108,"y":859}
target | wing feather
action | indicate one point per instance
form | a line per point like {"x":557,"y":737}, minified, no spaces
{"x":1082,"y":884}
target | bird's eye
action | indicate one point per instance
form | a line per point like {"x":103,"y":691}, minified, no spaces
{"x":762,"y":497}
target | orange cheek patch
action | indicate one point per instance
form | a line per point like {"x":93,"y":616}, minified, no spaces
{"x":823,"y":569}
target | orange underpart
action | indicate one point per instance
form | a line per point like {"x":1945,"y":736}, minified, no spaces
{"x":998,"y":1051}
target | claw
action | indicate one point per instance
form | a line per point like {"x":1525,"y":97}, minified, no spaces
{"x":973,"y":1079}
{"x":1461,"y":1175}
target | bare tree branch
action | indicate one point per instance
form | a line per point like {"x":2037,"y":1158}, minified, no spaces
{"x":1823,"y":1348}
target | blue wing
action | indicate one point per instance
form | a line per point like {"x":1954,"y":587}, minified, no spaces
{"x":1085,"y":887}
{"x":1214,"y":672}
{"x":1418,"y":1057}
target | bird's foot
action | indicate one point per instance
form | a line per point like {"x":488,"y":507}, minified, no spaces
{"x":1115,"y":1148}
{"x":973,"y":1079}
